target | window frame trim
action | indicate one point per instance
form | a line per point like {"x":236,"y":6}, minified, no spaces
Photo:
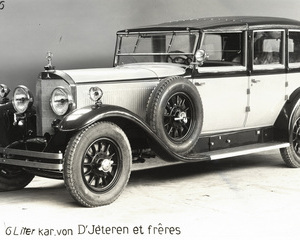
{"x":291,"y":65}
{"x":276,"y":66}
{"x":119,"y":39}
{"x":222,"y":69}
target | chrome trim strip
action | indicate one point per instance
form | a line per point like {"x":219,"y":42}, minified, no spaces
{"x":153,"y":54}
{"x":248,"y":149}
{"x":221,"y":69}
{"x":34,"y":154}
{"x":118,"y":81}
{"x":30,"y":164}
{"x":156,"y":32}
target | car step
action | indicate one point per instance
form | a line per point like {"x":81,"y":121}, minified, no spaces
{"x":244,"y":150}
{"x":214,"y":155}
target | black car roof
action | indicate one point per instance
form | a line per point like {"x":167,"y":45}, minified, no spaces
{"x":239,"y":22}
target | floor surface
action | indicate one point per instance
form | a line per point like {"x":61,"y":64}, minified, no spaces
{"x":248,"y":197}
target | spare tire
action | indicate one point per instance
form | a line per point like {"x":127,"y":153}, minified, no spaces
{"x":175,"y":113}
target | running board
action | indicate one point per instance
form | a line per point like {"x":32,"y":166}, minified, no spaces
{"x":213,"y":155}
{"x":244,"y":150}
{"x":194,"y":157}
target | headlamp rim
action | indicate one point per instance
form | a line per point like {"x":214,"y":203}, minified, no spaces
{"x":69,"y":99}
{"x":29,"y":98}
{"x":4,"y":90}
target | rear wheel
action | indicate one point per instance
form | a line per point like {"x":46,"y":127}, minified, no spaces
{"x":13,"y":178}
{"x":291,"y":154}
{"x":97,"y":164}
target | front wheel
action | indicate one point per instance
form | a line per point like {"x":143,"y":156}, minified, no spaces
{"x":291,"y":154}
{"x":13,"y":178}
{"x":97,"y":164}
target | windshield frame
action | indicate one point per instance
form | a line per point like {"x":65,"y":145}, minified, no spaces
{"x":138,"y":34}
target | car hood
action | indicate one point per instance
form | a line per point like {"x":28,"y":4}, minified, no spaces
{"x":126,"y":72}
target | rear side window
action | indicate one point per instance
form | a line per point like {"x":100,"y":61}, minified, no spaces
{"x":294,"y":48}
{"x":268,"y":49}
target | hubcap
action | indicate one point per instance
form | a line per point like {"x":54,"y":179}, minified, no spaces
{"x":106,"y":165}
{"x":181,"y":117}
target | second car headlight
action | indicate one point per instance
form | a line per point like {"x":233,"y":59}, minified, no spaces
{"x":22,"y":99}
{"x":4,"y":90}
{"x":60,"y":101}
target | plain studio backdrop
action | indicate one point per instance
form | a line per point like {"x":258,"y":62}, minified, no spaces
{"x":81,"y":34}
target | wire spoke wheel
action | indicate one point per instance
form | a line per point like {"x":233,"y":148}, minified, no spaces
{"x":101,"y":165}
{"x":97,"y":164}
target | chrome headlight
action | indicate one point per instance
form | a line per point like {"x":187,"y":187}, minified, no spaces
{"x":22,"y":99}
{"x":4,"y":90}
{"x":60,"y":101}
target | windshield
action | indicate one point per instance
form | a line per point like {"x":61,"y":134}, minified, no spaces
{"x":176,"y":47}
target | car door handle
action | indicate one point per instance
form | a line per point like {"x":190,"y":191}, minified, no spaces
{"x":255,"y":80}
{"x":199,"y":84}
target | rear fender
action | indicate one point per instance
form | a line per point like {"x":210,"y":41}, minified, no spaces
{"x":282,"y":124}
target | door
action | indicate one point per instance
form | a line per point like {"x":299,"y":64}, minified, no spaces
{"x":267,"y":83}
{"x":224,"y":102}
{"x":222,"y":81}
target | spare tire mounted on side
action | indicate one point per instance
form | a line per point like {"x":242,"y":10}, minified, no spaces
{"x":175,"y":113}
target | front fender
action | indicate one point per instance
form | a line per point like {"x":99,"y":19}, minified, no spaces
{"x":83,"y":117}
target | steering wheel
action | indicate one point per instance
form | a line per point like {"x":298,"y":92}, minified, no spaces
{"x":181,"y":59}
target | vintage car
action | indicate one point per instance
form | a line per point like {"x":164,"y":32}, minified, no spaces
{"x":189,"y":91}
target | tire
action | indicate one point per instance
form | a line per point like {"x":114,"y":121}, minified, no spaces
{"x":175,"y":113}
{"x":13,"y":178}
{"x":97,"y":164}
{"x":291,"y":154}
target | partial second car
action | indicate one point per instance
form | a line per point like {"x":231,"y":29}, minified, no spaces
{"x":195,"y":90}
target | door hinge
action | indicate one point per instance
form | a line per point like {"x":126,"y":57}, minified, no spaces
{"x":248,"y":91}
{"x":248,"y":109}
{"x":286,"y":97}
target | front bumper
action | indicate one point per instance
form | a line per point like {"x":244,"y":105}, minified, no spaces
{"x":31,"y":159}
{"x":29,"y":153}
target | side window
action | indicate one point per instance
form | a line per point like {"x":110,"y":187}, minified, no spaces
{"x":224,"y":49}
{"x":294,"y":48}
{"x":268,"y":48}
